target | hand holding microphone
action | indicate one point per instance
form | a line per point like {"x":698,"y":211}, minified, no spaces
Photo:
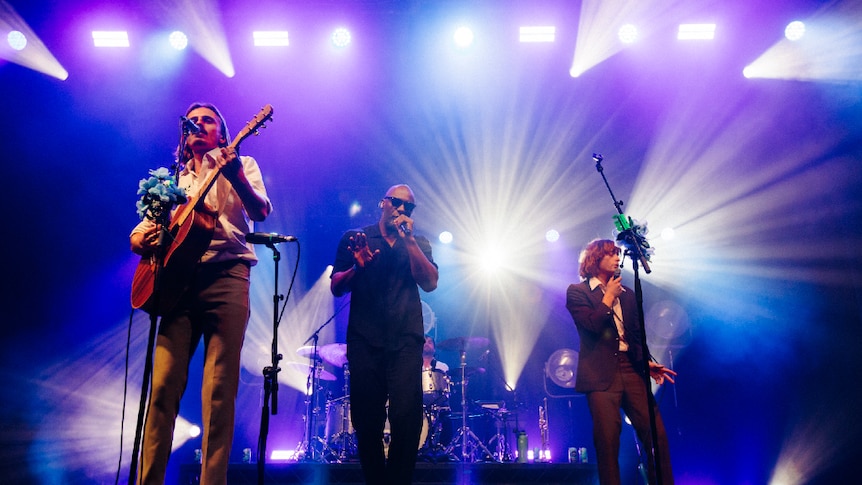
{"x":617,"y":273}
{"x":405,"y":225}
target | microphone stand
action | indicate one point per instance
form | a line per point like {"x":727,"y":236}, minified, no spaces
{"x":635,"y":243}
{"x":163,"y":221}
{"x":270,"y":375}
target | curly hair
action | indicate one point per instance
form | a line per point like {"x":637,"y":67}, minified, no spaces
{"x":592,"y":255}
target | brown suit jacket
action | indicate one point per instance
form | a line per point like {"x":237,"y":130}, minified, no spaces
{"x":597,"y":361}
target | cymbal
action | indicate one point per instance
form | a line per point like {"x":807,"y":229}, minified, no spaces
{"x":324,"y":375}
{"x":468,"y":371}
{"x":335,"y":354}
{"x":305,"y":351}
{"x":463,"y":343}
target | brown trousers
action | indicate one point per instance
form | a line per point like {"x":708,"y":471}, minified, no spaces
{"x":215,"y":307}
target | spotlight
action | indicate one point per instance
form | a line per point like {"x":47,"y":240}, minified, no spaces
{"x":274,"y":38}
{"x":552,"y":235}
{"x":105,"y":38}
{"x":341,"y":37}
{"x":668,"y":233}
{"x":628,"y":33}
{"x":795,"y":30}
{"x":16,"y":40}
{"x":561,"y":369}
{"x":463,"y":37}
{"x":194,"y":431}
{"x":178,"y":40}
{"x":355,"y":208}
{"x":696,"y":32}
{"x":445,"y":237}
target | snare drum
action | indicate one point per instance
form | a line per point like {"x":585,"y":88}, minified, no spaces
{"x":435,"y":387}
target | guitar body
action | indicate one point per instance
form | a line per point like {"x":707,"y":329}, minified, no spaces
{"x":188,"y":243}
{"x":189,"y":236}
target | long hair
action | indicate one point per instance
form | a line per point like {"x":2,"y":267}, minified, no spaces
{"x":592,"y":255}
{"x":187,"y":152}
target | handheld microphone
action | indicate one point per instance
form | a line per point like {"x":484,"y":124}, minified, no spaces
{"x":189,"y":126}
{"x":617,"y":272}
{"x":406,"y":230}
{"x":267,"y":238}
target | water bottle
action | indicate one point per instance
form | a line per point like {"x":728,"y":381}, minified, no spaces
{"x":522,"y":447}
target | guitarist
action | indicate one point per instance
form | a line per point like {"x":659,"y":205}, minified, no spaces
{"x":214,"y":303}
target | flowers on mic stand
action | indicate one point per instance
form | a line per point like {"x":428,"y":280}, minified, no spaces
{"x":158,"y":194}
{"x":633,"y":236}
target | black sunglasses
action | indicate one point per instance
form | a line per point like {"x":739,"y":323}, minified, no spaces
{"x":396,"y":203}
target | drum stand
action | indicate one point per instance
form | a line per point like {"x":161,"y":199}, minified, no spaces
{"x":308,"y":448}
{"x":502,"y":451}
{"x":465,"y":435}
{"x":345,"y":440}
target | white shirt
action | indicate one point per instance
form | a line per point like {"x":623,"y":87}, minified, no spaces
{"x":618,"y":314}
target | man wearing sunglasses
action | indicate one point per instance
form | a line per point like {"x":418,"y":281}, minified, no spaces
{"x":383,"y":266}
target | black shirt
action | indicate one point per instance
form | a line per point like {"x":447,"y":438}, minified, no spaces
{"x":385,"y":310}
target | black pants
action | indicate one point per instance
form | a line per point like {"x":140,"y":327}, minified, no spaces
{"x":378,"y":376}
{"x":628,"y":392}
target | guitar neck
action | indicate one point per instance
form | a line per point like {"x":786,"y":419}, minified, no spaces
{"x":186,"y":210}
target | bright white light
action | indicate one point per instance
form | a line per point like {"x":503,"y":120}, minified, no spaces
{"x":178,"y":40}
{"x":445,"y":237}
{"x":341,"y":37}
{"x":628,"y":33}
{"x":491,"y":259}
{"x":543,"y":33}
{"x":795,"y":30}
{"x":104,"y":38}
{"x":696,"y":32}
{"x":16,"y":40}
{"x":668,"y":233}
{"x":463,"y":37}
{"x":282,"y":455}
{"x":273,"y":38}
{"x":194,"y":431}
{"x":355,"y":208}
{"x":552,"y":235}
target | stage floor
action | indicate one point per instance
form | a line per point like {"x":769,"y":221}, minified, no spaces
{"x":425,"y":474}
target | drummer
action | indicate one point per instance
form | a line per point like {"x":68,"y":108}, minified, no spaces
{"x":429,"y":360}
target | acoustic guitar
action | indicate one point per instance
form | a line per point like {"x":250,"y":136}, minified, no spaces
{"x":187,"y":238}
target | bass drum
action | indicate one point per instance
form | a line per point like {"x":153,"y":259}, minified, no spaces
{"x":423,"y":435}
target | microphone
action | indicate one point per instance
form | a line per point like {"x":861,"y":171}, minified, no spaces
{"x":617,"y":272}
{"x":189,"y":126}
{"x":267,"y":238}
{"x":406,"y":230}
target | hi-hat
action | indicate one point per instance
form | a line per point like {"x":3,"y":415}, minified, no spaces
{"x":335,"y":354}
{"x":463,"y":343}
{"x":324,"y":375}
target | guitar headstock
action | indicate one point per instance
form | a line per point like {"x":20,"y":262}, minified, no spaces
{"x":254,"y":125}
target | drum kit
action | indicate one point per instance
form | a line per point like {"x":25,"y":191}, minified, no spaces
{"x":337,"y":443}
